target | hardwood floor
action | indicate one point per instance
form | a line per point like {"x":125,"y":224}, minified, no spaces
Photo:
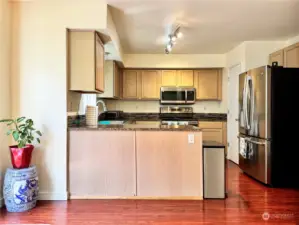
{"x":247,"y":201}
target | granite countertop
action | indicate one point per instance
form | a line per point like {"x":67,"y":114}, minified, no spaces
{"x":134,"y":127}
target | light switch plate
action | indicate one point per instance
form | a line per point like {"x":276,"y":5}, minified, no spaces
{"x":191,"y":138}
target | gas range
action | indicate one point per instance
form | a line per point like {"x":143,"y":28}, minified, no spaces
{"x":177,"y":115}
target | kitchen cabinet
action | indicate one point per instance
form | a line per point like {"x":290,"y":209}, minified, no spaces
{"x":169,"y":78}
{"x":208,"y":84}
{"x":177,"y":78}
{"x":102,"y":163}
{"x":85,"y":62}
{"x":168,"y":166}
{"x":151,"y":83}
{"x":214,"y":131}
{"x":291,"y":56}
{"x":131,"y":84}
{"x":185,"y":78}
{"x":277,"y":56}
{"x":112,"y":80}
{"x":117,"y":79}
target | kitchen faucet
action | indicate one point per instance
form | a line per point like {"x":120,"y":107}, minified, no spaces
{"x":103,"y":104}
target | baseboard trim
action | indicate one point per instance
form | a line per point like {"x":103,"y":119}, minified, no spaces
{"x":53,"y":196}
{"x":1,"y":202}
{"x":89,"y":197}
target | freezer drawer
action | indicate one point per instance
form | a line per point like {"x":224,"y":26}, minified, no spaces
{"x":254,"y":158}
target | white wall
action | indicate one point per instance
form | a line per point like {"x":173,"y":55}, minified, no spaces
{"x":237,"y":56}
{"x":257,"y":52}
{"x":39,"y":77}
{"x":5,"y":98}
{"x":174,"y":60}
{"x":252,"y":54}
{"x":292,"y":40}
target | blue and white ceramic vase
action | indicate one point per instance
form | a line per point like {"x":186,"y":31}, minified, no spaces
{"x":20,"y":189}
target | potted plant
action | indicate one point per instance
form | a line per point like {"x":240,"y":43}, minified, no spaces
{"x":25,"y":135}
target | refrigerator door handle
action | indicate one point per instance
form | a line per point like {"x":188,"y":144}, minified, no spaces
{"x":244,"y":111}
{"x":254,"y":142}
{"x":245,"y":102}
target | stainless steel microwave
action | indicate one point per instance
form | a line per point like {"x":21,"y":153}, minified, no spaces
{"x":177,"y":95}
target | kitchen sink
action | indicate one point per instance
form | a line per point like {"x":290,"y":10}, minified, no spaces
{"x":111,"y":122}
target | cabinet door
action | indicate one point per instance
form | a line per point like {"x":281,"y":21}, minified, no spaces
{"x":167,"y":165}
{"x":208,"y":83}
{"x":130,"y":84}
{"x":185,"y":78}
{"x":212,"y":135}
{"x":100,"y":80}
{"x":151,"y":83}
{"x":116,"y":81}
{"x":291,"y":56}
{"x":169,"y":78}
{"x":277,"y":57}
{"x":106,"y":168}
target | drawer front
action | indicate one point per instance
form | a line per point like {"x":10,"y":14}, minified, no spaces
{"x":212,"y":135}
{"x":209,"y":125}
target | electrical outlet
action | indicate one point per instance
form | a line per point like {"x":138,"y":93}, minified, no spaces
{"x":191,"y":138}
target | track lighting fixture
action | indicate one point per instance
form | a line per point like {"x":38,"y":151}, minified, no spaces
{"x":172,"y":38}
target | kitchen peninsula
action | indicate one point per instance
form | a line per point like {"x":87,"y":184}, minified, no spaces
{"x":149,"y":161}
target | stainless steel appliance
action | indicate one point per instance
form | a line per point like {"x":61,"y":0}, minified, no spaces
{"x":267,"y":128}
{"x":214,"y":185}
{"x":177,"y":115}
{"x":177,"y":95}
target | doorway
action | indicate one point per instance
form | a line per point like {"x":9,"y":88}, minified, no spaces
{"x":233,"y":113}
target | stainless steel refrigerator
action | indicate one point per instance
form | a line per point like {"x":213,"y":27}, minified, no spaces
{"x":268,"y":125}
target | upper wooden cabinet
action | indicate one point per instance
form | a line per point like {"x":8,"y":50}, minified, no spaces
{"x":185,"y":78}
{"x":112,"y":80}
{"x":85,"y":61}
{"x":116,"y":83}
{"x":169,"y":78}
{"x":208,"y":84}
{"x":291,"y":56}
{"x":151,"y":83}
{"x":179,"y":78}
{"x":131,"y":84}
{"x":278,"y":57}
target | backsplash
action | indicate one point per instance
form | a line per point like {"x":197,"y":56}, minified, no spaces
{"x":153,"y":106}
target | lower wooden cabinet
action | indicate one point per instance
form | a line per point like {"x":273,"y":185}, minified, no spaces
{"x":167,"y":165}
{"x":214,"y":131}
{"x":208,"y":84}
{"x":102,"y":163}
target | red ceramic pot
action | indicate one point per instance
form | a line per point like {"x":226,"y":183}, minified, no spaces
{"x":21,"y":157}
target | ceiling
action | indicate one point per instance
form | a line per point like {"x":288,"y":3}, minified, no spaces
{"x":209,"y":26}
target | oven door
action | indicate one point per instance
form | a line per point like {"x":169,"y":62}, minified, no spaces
{"x":175,"y":96}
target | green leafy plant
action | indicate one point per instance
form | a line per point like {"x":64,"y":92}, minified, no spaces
{"x":23,"y":131}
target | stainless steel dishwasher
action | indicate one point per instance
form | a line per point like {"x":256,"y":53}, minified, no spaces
{"x":214,"y":184}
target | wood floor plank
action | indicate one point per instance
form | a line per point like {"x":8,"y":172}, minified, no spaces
{"x":247,"y":201}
